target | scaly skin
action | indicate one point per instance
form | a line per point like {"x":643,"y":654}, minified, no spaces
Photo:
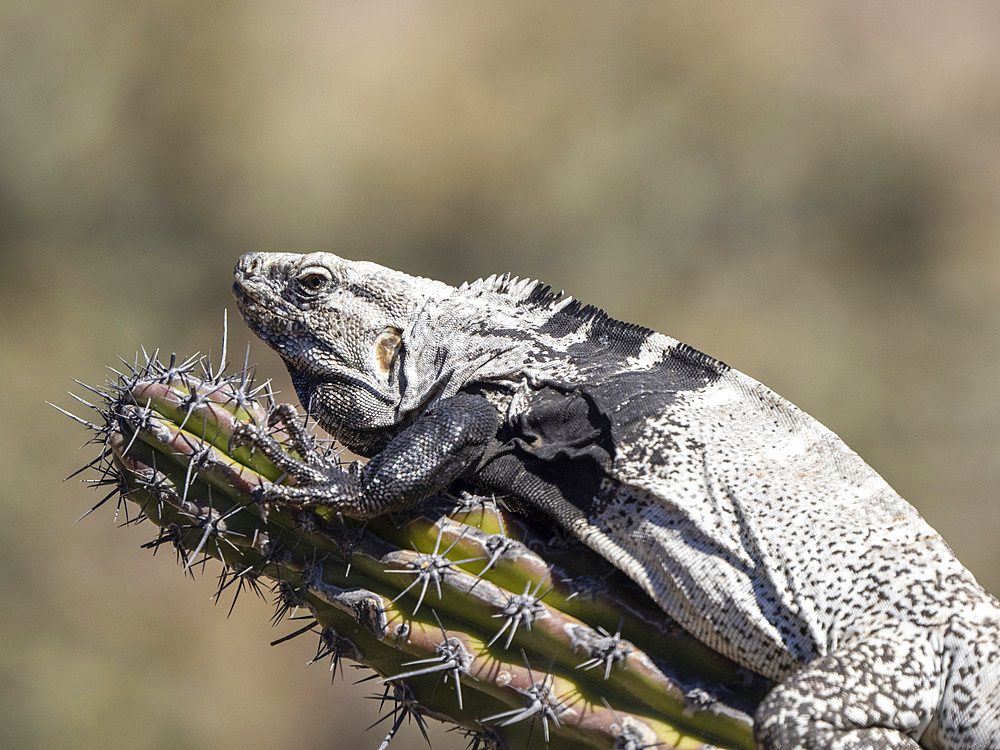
{"x":749,"y":522}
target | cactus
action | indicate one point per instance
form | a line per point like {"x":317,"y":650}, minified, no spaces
{"x":467,"y":612}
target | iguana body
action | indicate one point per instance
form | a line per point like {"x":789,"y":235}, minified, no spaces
{"x":751,"y":524}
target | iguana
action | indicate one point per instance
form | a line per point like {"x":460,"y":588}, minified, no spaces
{"x":751,"y":524}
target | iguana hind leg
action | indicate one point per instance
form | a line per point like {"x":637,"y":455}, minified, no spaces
{"x":880,"y":692}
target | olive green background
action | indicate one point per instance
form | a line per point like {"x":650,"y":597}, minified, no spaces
{"x":809,"y":191}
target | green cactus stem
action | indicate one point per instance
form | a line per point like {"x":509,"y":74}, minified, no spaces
{"x":467,"y":612}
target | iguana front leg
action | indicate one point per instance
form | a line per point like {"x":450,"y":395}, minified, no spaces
{"x":422,"y":459}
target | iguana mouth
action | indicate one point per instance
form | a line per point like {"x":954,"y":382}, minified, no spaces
{"x":243,"y":299}
{"x":258,"y":316}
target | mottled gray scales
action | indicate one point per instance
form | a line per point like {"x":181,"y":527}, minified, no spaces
{"x":749,"y":522}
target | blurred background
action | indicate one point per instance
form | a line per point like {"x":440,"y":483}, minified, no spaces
{"x":810,"y":192}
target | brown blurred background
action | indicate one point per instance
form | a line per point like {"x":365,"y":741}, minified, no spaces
{"x":808,"y":191}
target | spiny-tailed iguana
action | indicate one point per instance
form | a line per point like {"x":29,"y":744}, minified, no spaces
{"x":751,"y":524}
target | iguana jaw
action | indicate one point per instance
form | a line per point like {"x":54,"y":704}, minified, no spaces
{"x":264,"y":321}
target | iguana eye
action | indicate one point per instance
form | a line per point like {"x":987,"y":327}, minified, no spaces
{"x":314,"y":279}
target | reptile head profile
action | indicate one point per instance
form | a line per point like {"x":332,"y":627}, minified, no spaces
{"x":339,"y":327}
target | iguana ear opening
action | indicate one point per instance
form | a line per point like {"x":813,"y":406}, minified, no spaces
{"x":387,"y":346}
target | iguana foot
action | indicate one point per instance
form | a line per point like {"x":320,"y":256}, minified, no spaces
{"x":318,"y":480}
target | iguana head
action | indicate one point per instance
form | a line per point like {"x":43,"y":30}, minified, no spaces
{"x":338,"y":325}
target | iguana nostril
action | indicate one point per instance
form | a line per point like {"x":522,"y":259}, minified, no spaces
{"x":249,"y":263}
